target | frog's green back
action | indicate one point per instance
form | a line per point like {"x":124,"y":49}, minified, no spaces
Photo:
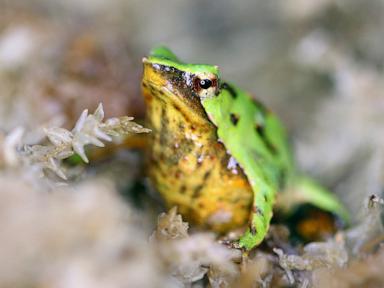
{"x":256,"y":139}
{"x":165,"y":53}
{"x":163,"y":56}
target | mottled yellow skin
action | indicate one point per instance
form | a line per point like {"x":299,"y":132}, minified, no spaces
{"x":187,"y":164}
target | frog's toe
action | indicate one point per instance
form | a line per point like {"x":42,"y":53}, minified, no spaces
{"x":233,"y":244}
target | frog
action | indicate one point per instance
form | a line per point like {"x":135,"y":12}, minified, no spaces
{"x":220,"y":156}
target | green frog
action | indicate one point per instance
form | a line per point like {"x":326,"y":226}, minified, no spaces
{"x":217,"y":154}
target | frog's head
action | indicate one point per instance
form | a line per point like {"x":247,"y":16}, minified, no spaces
{"x":172,"y":80}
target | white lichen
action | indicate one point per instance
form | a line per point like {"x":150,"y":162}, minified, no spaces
{"x":316,"y":255}
{"x":189,"y":257}
{"x":90,"y":129}
{"x":370,"y":230}
{"x":9,"y":145}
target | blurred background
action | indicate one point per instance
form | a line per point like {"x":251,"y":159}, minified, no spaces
{"x":318,"y":64}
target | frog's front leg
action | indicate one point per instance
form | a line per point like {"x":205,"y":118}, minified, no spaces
{"x":261,"y":214}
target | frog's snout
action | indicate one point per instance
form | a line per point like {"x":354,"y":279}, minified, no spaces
{"x":152,"y":79}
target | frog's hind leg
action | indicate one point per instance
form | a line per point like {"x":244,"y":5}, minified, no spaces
{"x":304,"y":190}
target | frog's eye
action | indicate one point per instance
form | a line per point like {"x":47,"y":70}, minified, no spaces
{"x":205,"y":83}
{"x":204,"y":86}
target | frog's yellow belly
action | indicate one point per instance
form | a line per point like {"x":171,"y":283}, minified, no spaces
{"x":191,"y":169}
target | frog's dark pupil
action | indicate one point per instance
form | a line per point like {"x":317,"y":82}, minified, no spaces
{"x":205,"y":83}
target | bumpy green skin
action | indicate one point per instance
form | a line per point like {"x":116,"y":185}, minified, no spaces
{"x":256,"y":139}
